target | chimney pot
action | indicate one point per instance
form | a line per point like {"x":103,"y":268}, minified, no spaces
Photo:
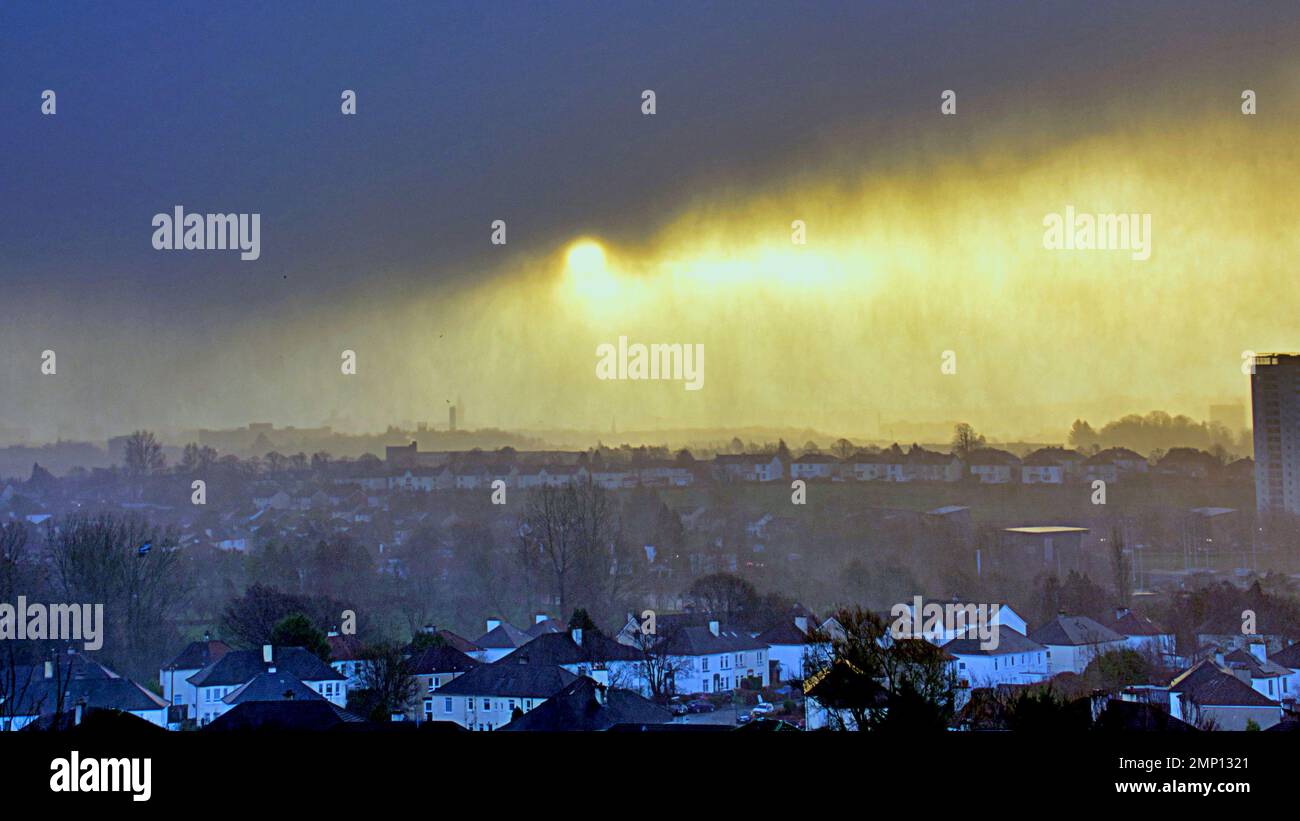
{"x":1259,"y":650}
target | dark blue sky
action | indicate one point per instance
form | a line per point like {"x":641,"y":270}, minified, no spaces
{"x":469,"y":112}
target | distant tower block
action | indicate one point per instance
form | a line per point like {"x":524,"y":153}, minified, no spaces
{"x":451,"y":418}
{"x":1275,"y":407}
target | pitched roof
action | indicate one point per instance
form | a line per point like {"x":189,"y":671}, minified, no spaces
{"x":442,"y":658}
{"x":1288,"y":656}
{"x":1009,"y":641}
{"x":700,"y":641}
{"x":991,"y":456}
{"x":1131,"y":624}
{"x":197,"y":655}
{"x":41,"y":695}
{"x":585,"y":706}
{"x":240,"y":666}
{"x":519,"y":680}
{"x":504,"y":636}
{"x":562,"y":648}
{"x":541,"y":628}
{"x":458,"y":642}
{"x":345,"y":648}
{"x":284,"y":715}
{"x":1226,"y":690}
{"x":1073,"y":631}
{"x":277,"y":686}
{"x":1258,"y":669}
{"x":785,"y":633}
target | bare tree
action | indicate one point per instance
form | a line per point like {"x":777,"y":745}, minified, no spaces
{"x":128,"y":566}
{"x":965,"y":440}
{"x":387,"y":685}
{"x":143,"y":454}
{"x":660,"y":663}
{"x":571,"y":535}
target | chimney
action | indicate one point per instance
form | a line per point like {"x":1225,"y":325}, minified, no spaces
{"x":802,"y":623}
{"x":49,"y":669}
{"x":713,"y":627}
{"x":1259,"y":650}
{"x":493,"y":624}
{"x":266,"y":654}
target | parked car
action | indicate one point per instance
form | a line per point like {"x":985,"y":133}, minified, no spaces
{"x":744,"y":718}
{"x":678,"y":709}
{"x":764,"y":708}
{"x":701,"y":706}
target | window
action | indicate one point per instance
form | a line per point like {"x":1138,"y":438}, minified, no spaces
{"x":704,"y":664}
{"x":446,"y":705}
{"x":487,"y":704}
{"x":469,"y":703}
{"x":512,"y":705}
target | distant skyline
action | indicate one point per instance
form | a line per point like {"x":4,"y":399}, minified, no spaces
{"x":923,"y":231}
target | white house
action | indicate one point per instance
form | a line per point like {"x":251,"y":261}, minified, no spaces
{"x":713,"y":660}
{"x":1072,"y":642}
{"x":238,"y":667}
{"x":585,"y":653}
{"x":1016,"y":659}
{"x":749,"y":467}
{"x":1209,"y":697}
{"x":1289,"y":657}
{"x":992,"y":466}
{"x":1143,"y":635}
{"x":62,"y":685}
{"x":887,"y":466}
{"x":174,"y":676}
{"x":488,"y":696}
{"x":789,"y":645}
{"x":814,"y":466}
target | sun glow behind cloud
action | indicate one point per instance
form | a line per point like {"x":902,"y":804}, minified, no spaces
{"x":898,"y":269}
